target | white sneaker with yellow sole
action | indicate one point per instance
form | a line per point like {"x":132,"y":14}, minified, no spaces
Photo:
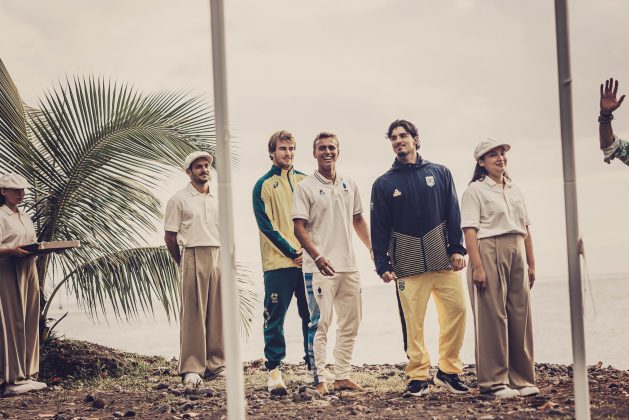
{"x":275,"y":384}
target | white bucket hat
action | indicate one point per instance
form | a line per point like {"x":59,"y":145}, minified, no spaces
{"x":13,"y":181}
{"x":486,"y":145}
{"x":196,"y":155}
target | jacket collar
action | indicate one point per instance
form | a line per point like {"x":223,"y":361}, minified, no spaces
{"x":397,"y":165}
{"x":276,"y":170}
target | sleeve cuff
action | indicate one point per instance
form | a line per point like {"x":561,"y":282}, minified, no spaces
{"x":383,"y":269}
{"x":299,"y":216}
{"x":467,"y":224}
{"x":609,"y":152}
{"x":456,"y":249}
{"x":168,"y":228}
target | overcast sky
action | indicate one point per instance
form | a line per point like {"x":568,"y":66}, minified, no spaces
{"x":461,"y":70}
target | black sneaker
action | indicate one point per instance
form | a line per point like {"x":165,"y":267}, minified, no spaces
{"x":450,"y":381}
{"x":417,"y":388}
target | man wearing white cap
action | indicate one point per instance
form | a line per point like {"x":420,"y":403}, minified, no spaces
{"x":19,"y":292}
{"x":191,"y":222}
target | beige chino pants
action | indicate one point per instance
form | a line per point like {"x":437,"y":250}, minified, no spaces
{"x":19,"y":320}
{"x":339,"y":293}
{"x":201,"y":339}
{"x":503,"y":324}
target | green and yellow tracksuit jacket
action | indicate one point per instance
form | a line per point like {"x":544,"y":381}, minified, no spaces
{"x":272,"y":201}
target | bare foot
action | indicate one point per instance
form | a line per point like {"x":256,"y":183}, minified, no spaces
{"x":346,"y":384}
{"x":322,"y":388}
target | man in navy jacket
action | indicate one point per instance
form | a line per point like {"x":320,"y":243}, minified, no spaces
{"x":417,"y":241}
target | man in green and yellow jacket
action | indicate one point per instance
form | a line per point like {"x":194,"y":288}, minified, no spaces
{"x":281,"y":254}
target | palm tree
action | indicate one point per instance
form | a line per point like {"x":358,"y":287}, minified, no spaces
{"x":94,"y":151}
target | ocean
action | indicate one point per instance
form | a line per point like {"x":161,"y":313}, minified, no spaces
{"x":380,"y":339}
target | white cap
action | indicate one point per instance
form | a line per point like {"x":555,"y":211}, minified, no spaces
{"x":486,"y":145}
{"x":194,"y":156}
{"x":14,"y":181}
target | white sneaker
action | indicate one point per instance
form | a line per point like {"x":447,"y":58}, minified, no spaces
{"x":193,"y":379}
{"x":528,"y":391}
{"x":501,"y":393}
{"x":309,"y":376}
{"x":275,"y":384}
{"x":13,"y":389}
{"x":36,"y":385}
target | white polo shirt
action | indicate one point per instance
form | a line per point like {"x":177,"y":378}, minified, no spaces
{"x":329,"y":209}
{"x":194,"y":216}
{"x":16,"y":229}
{"x":494,"y":210}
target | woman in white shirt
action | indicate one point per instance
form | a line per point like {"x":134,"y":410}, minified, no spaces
{"x":500,"y":274}
{"x":19,"y":292}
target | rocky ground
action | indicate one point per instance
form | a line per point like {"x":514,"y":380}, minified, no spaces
{"x":89,"y":381}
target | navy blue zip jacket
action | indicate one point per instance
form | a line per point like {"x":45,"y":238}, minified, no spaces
{"x":415,"y":219}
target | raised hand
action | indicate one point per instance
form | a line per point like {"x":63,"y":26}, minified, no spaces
{"x":609,"y":102}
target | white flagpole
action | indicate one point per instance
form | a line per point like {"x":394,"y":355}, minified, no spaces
{"x":229,"y":287}
{"x":579,"y":368}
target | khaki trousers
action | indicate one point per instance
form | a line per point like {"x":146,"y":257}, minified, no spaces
{"x":19,"y":320}
{"x":200,"y":314}
{"x":502,"y":315}
{"x":339,"y":293}
{"x":447,"y":289}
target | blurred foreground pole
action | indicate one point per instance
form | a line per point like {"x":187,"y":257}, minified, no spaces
{"x":229,"y":287}
{"x":580,"y":378}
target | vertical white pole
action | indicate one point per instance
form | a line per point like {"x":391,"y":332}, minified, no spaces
{"x":581,"y":394}
{"x":229,"y":287}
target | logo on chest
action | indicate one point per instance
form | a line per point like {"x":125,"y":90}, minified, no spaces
{"x":321,"y":192}
{"x":396,"y":193}
{"x":275,"y":184}
{"x":430,"y":181}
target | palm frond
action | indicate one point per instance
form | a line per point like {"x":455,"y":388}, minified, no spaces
{"x":129,"y":281}
{"x":95,"y":150}
{"x":14,"y":145}
{"x":108,"y":138}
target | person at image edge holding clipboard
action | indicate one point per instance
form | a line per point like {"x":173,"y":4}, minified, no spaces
{"x":19,"y":292}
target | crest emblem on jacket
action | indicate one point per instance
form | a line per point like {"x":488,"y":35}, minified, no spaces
{"x":396,"y":193}
{"x":430,"y":181}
